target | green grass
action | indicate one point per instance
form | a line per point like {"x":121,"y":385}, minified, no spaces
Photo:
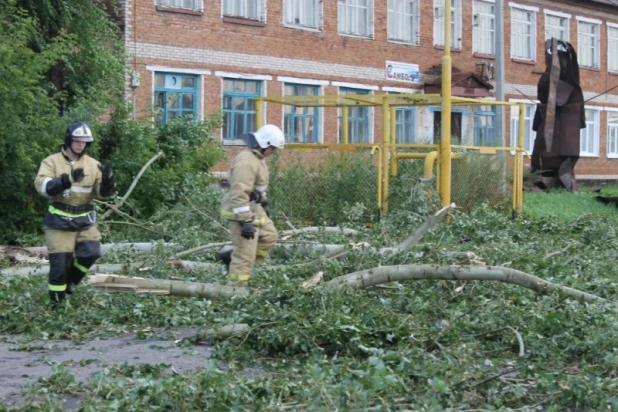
{"x":565,"y":206}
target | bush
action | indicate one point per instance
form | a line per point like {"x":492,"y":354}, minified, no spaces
{"x":189,"y":148}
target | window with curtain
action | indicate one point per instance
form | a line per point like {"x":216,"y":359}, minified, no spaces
{"x":356,"y":17}
{"x":588,"y":44}
{"x":403,"y":20}
{"x":483,"y":31}
{"x":438,"y":23}
{"x":303,"y":13}
{"x":523,"y":34}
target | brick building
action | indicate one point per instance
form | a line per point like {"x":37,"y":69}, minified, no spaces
{"x":196,"y":57}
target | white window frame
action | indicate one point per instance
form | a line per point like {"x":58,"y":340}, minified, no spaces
{"x":533,"y":12}
{"x":612,"y":126}
{"x":291,"y":8}
{"x":260,"y":9}
{"x":397,"y":19}
{"x":198,"y":72}
{"x":348,"y":6}
{"x":596,"y":39}
{"x":595,"y":131}
{"x":438,"y":23}
{"x":612,"y":52}
{"x":478,"y":31}
{"x":198,"y":5}
{"x":566,"y":29}
{"x":514,"y":125}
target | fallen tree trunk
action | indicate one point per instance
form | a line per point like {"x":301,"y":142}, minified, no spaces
{"x":316,"y":229}
{"x":385,"y":274}
{"x":185,"y":265}
{"x":179,"y":288}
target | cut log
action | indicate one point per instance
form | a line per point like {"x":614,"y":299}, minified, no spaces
{"x":177,"y":288}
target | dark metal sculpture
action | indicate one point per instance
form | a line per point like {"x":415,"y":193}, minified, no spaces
{"x":559,"y":117}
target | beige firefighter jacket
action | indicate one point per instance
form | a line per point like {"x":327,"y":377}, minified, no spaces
{"x":248,"y":173}
{"x":80,"y":193}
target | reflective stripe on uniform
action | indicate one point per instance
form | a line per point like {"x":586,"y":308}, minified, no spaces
{"x":260,"y":222}
{"x":58,"y":212}
{"x":261,"y":253}
{"x":57,"y":288}
{"x":261,"y":188}
{"x":82,"y":268}
{"x":44,"y":186}
{"x":241,"y":209}
{"x":227,"y":214}
{"x":242,"y":278}
{"x":81,"y":189}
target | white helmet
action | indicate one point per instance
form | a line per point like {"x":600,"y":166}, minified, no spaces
{"x":269,"y":135}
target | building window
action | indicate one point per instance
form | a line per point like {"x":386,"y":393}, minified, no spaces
{"x":405,"y":123}
{"x":239,"y":106}
{"x":588,"y":42}
{"x":612,"y":134}
{"x":438,"y":23}
{"x":356,"y":17}
{"x":529,"y":134}
{"x":303,"y":13}
{"x":175,"y":96}
{"x":589,"y":137}
{"x":403,"y":20}
{"x":197,"y":5}
{"x":483,"y":27}
{"x":523,"y":34}
{"x":358,"y":119}
{"x":247,"y":9}
{"x":612,"y":49}
{"x":556,"y":25}
{"x":300,"y":124}
{"x":485,"y":126}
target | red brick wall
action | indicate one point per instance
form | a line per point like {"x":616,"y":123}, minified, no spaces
{"x":208,"y":31}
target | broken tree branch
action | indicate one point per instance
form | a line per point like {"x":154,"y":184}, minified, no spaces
{"x":385,"y":274}
{"x":429,"y":223}
{"x":133,"y":184}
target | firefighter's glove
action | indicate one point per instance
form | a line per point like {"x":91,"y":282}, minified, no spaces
{"x":108,"y":183}
{"x":247,"y":230}
{"x":255,"y":197}
{"x":76,"y":175}
{"x":265,"y":204}
{"x":106,"y":170}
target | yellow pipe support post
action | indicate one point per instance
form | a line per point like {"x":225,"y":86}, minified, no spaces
{"x":258,"y":114}
{"x":429,"y":161}
{"x":393,"y":141}
{"x":344,"y":126}
{"x":518,"y":184}
{"x":445,"y":135}
{"x":373,"y":149}
{"x":385,"y":152}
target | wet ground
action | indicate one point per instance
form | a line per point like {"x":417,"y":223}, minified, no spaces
{"x":23,"y":363}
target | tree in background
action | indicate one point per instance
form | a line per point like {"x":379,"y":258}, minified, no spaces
{"x":59,"y":60}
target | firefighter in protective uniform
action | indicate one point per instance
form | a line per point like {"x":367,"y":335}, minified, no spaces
{"x":246,"y":205}
{"x":71,"y":179}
